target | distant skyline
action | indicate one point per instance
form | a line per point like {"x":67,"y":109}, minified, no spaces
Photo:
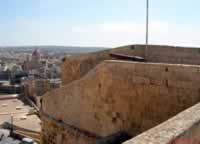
{"x":108,"y":23}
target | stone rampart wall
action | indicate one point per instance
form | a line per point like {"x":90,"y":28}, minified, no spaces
{"x":77,"y":66}
{"x":125,"y":96}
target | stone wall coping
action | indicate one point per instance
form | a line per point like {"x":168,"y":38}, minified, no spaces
{"x":157,"y":45}
{"x":149,"y":63}
{"x":171,"y":129}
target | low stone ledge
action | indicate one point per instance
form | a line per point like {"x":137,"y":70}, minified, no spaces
{"x":57,"y":132}
{"x":181,"y":129}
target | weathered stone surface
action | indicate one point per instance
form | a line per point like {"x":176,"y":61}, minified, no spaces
{"x":124,"y":96}
{"x":58,"y":134}
{"x":104,"y":97}
{"x":77,"y":66}
{"x":184,"y":128}
{"x":36,"y":87}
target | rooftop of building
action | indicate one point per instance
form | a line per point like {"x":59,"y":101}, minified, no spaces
{"x":22,"y":113}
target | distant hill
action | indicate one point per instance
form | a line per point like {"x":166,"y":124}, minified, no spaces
{"x":52,"y":50}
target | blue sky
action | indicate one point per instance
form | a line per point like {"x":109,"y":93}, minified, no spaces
{"x":98,"y":22}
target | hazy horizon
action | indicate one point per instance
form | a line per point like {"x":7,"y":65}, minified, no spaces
{"x":76,"y":46}
{"x":86,"y":47}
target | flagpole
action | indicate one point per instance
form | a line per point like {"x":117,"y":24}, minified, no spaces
{"x":147,"y":28}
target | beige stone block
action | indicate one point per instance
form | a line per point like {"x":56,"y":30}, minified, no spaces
{"x":157,"y":82}
{"x":183,"y":84}
{"x":140,"y":80}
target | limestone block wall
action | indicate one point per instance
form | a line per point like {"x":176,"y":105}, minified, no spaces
{"x":184,"y":128}
{"x":58,"y":134}
{"x":173,"y":54}
{"x":73,"y":68}
{"x":41,"y":86}
{"x":125,"y":96}
{"x":77,"y":66}
{"x":36,"y":87}
{"x":28,"y":88}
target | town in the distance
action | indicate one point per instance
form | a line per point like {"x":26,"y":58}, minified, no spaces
{"x":26,"y":73}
